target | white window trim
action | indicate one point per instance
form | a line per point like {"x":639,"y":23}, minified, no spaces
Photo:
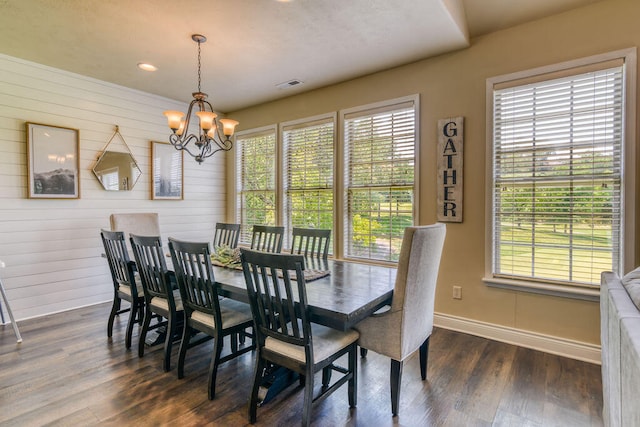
{"x":339,"y":177}
{"x":628,"y":167}
{"x":235,"y":184}
{"x":282,"y":188}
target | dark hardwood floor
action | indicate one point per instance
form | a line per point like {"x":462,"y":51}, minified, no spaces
{"x":68,"y":373}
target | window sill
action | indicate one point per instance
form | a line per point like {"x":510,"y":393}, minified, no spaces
{"x":564,"y":291}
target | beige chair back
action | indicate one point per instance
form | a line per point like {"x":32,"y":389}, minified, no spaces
{"x":415,"y":288}
{"x":141,"y":224}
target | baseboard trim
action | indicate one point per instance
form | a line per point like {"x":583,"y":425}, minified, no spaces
{"x":547,"y":343}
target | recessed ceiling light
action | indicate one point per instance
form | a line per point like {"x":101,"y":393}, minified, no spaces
{"x":147,"y":67}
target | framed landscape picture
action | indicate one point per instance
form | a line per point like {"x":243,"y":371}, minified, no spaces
{"x":53,"y":162}
{"x":166,"y":172}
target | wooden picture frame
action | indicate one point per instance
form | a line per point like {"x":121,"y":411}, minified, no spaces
{"x":167,"y":172}
{"x":53,"y":162}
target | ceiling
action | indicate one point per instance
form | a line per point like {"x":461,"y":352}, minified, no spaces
{"x":252,"y":45}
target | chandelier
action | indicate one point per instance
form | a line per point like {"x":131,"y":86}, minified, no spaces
{"x":213,"y":134}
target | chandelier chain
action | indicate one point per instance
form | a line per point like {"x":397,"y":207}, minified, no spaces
{"x":199,"y":74}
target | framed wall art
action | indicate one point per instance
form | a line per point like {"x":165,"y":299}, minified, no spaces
{"x":53,"y":162}
{"x":166,"y":172}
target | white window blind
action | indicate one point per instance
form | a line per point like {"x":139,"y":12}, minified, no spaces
{"x":256,"y":185}
{"x":557,"y":174}
{"x":309,"y":167}
{"x":379,"y":180}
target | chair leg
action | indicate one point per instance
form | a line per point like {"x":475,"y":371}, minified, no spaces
{"x":363,"y":352}
{"x":326,"y":376}
{"x":114,"y":310}
{"x":145,"y":328}
{"x":308,"y":399}
{"x":424,"y":358}
{"x":396,"y":378}
{"x":184,"y":344}
{"x":133,"y":319}
{"x":353,"y":382}
{"x":168,"y":342}
{"x":257,"y":380}
{"x":213,"y":367}
{"x":234,"y":342}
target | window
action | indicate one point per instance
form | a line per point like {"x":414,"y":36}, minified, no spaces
{"x":380,"y":146}
{"x":308,"y":155}
{"x":557,"y":185}
{"x":363,"y":191}
{"x":256,"y":183}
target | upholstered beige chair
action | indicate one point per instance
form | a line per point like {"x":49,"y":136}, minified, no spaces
{"x":407,"y":324}
{"x":141,"y":224}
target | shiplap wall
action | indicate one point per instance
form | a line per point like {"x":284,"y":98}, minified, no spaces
{"x":52,"y":248}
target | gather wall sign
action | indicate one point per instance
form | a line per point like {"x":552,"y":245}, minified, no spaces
{"x":450,"y":164}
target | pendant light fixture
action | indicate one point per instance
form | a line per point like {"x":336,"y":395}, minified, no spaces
{"x":213,"y":134}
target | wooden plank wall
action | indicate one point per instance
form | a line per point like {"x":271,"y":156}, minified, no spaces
{"x":52,"y":248}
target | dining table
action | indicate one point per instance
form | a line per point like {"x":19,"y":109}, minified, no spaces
{"x":350,"y":292}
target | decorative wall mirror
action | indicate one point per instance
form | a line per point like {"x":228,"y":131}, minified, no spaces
{"x":116,"y":170}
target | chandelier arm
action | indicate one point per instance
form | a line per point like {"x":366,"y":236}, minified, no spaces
{"x":182,"y":143}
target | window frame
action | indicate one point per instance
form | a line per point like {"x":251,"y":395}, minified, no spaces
{"x":387,"y":105}
{"x":251,"y":133}
{"x":627,"y":245}
{"x":284,"y":170}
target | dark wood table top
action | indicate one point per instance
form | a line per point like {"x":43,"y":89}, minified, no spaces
{"x":350,"y":293}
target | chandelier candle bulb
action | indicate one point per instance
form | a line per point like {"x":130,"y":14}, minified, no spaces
{"x":228,"y":126}
{"x":206,"y":119}
{"x":174,"y":118}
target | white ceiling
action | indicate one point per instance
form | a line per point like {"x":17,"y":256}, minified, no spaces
{"x":252,"y":45}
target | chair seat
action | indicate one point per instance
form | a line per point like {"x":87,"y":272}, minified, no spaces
{"x":163,"y":304}
{"x":233,"y":313}
{"x":326,"y":342}
{"x":127,"y":290}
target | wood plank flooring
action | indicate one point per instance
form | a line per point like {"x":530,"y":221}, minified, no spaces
{"x":68,"y":373}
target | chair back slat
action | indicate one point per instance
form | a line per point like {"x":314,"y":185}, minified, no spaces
{"x":279,"y":307}
{"x":226,"y":235}
{"x":267,"y":238}
{"x":118,"y":258}
{"x":152,"y":267}
{"x":192,"y":264}
{"x":310,"y":242}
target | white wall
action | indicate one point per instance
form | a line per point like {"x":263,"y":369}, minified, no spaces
{"x":52,"y":248}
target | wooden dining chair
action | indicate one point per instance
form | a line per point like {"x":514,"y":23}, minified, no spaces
{"x":125,"y":285}
{"x":406,"y":327}
{"x":267,"y":238}
{"x":310,"y":242}
{"x":160,"y":297}
{"x":226,"y":235}
{"x":285,"y":335}
{"x":204,"y":310}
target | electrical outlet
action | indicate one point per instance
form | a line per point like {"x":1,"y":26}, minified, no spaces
{"x":457,"y":292}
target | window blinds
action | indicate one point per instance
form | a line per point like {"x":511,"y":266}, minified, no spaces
{"x":256,"y":185}
{"x":557,"y":171}
{"x":309,"y":166}
{"x":379,"y":180}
